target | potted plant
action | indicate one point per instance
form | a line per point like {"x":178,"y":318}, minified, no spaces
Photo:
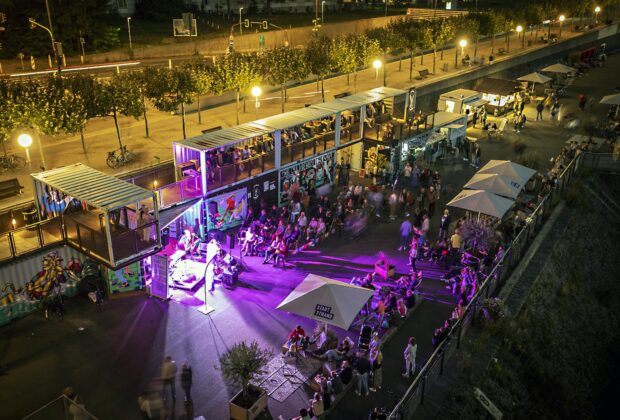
{"x":239,"y":365}
{"x":477,"y":233}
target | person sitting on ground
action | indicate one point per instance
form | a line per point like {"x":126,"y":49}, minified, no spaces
{"x":316,"y":405}
{"x":334,"y":384}
{"x":345,"y":372}
{"x":402,"y":308}
{"x":410,"y":299}
{"x":294,"y":339}
{"x":339,"y":353}
{"x":303,"y":415}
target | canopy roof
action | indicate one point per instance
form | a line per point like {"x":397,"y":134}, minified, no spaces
{"x":460,"y":94}
{"x":100,"y":190}
{"x":559,"y":68}
{"x":497,"y":184}
{"x":480,"y":201}
{"x":322,"y":299}
{"x":535,"y":78}
{"x":511,"y":170}
{"x":223,"y":137}
{"x":496,"y":86}
{"x":169,"y":215}
{"x":611,"y":99}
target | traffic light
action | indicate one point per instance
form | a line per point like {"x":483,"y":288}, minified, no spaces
{"x":265,"y":25}
{"x":246,"y":23}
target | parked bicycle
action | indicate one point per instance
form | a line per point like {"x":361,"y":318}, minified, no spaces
{"x":11,"y":162}
{"x":120,"y":157}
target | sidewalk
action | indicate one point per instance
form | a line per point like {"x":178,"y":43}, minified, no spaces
{"x":100,"y":134}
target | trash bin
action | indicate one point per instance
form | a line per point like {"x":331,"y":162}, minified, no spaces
{"x":30,"y":216}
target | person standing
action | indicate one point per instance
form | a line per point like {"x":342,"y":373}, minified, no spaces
{"x":376,"y":359}
{"x":169,"y":376}
{"x":582,"y":102}
{"x":444,"y":225}
{"x":362,"y":366}
{"x":186,"y":382}
{"x":432,"y":199}
{"x":455,"y":246}
{"x":539,"y":110}
{"x":425,"y":227}
{"x":483,"y":118}
{"x":405,"y":231}
{"x":413,"y":253}
{"x":409,"y":355}
{"x":474,"y":119}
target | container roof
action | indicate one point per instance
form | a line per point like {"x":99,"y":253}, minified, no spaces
{"x":224,"y":137}
{"x":444,"y":118}
{"x":373,"y":95}
{"x":94,"y":187}
{"x":293,"y":118}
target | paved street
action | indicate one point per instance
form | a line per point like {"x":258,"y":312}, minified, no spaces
{"x":165,"y":128}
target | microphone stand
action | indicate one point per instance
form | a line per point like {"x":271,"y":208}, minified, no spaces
{"x":206,"y":309}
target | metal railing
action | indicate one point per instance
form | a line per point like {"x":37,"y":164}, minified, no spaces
{"x":414,"y":396}
{"x":61,"y":408}
{"x":26,"y":239}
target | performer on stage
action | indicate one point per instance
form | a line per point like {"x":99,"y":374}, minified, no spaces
{"x":213,"y":249}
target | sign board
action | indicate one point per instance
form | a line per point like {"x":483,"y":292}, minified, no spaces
{"x":305,"y":174}
{"x":486,"y":403}
{"x":159,"y":276}
{"x":181,"y":28}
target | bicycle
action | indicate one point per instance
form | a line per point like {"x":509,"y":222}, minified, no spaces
{"x":120,"y":157}
{"x":11,"y":162}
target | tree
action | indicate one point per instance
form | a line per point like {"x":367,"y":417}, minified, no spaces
{"x":342,"y":54}
{"x":118,"y":96}
{"x":390,"y":41}
{"x":244,"y":362}
{"x":85,"y":89}
{"x":201,"y":80}
{"x":281,"y":65}
{"x":235,"y":72}
{"x":496,"y":22}
{"x":366,"y":50}
{"x":318,"y":58}
{"x":469,"y":27}
{"x":409,"y":33}
{"x":436,"y":33}
{"x":169,"y":89}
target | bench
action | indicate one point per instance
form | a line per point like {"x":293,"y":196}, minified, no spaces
{"x":10,"y":187}
{"x":501,"y":51}
{"x":424,"y":73}
{"x":342,"y":95}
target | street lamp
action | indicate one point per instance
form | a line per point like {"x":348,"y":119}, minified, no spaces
{"x":597,"y":10}
{"x":561,"y":18}
{"x":519,"y":29}
{"x":129,"y":31}
{"x":240,"y":25}
{"x":462,"y":44}
{"x":377,"y":65}
{"x":33,"y":24}
{"x":25,"y":141}
{"x":322,"y":12}
{"x":256,"y":92}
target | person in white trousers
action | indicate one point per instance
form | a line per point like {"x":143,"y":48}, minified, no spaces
{"x":409,"y":354}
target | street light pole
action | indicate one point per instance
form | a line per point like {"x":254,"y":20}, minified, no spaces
{"x":34,"y":23}
{"x":386,"y":4}
{"x":322,"y":12}
{"x":240,"y":24}
{"x":129,"y":31}
{"x":561,"y":22}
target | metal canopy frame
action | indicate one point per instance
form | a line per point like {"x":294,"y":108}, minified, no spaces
{"x":224,"y":137}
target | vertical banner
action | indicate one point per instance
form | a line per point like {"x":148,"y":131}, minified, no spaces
{"x":314,"y":172}
{"x":159,"y":276}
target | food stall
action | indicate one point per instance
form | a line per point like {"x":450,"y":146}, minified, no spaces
{"x":499,"y":93}
{"x":461,"y":101}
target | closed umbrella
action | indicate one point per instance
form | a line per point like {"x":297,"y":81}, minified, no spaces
{"x":514,"y":171}
{"x":496,"y":184}
{"x":330,"y":301}
{"x":481,"y":201}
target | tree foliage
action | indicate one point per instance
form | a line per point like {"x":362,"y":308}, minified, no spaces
{"x":283,"y":64}
{"x":318,"y":57}
{"x":243,"y":362}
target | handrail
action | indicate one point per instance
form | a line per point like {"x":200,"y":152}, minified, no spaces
{"x":471,"y":306}
{"x":65,"y":400}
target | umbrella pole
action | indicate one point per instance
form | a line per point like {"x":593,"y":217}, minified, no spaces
{"x":478,"y":216}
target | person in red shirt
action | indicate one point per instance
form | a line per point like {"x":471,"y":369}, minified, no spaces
{"x":294,"y":339}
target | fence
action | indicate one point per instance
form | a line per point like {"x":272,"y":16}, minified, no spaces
{"x":414,"y":396}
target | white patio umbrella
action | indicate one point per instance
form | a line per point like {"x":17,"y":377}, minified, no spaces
{"x":481,"y":201}
{"x":496,"y":184}
{"x":559,"y":68}
{"x":514,"y":171}
{"x":330,"y":301}
{"x":612,"y":100}
{"x":534,"y":78}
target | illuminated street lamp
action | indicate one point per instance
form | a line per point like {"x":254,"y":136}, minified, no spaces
{"x":256,"y":92}
{"x":462,"y":44}
{"x":322,"y":12}
{"x":25,"y":141}
{"x":597,"y":10}
{"x":240,"y":23}
{"x":377,"y":65}
{"x":519,"y":29}
{"x":561,"y":18}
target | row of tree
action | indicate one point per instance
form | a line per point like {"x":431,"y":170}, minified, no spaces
{"x":66,"y":104}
